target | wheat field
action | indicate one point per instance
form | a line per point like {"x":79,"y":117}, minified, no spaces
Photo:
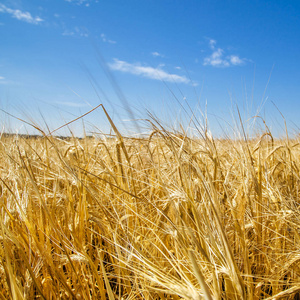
{"x":165,"y":216}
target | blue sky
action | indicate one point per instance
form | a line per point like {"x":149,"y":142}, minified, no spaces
{"x":61,"y":58}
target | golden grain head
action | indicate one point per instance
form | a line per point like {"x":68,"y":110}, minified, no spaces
{"x":166,"y":216}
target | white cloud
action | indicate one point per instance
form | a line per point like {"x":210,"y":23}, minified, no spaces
{"x":156,"y":54}
{"x":20,"y":15}
{"x":80,"y":2}
{"x":103,"y":37}
{"x":235,"y":60}
{"x":68,"y":33}
{"x":212,"y":44}
{"x":105,"y":40}
{"x":217,"y":59}
{"x":4,"y":81}
{"x":76,"y":1}
{"x":178,"y":68}
{"x":76,"y":32}
{"x":148,"y":72}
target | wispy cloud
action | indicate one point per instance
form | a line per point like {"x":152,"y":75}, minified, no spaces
{"x":76,"y":32}
{"x":67,"y":32}
{"x":106,"y":40}
{"x":20,"y":15}
{"x":212,"y":44}
{"x":217,"y":59}
{"x":156,"y":54}
{"x":4,"y":81}
{"x":148,"y":72}
{"x":235,"y":60}
{"x":80,"y":2}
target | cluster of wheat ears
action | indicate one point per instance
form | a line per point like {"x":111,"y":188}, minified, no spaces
{"x":166,"y":216}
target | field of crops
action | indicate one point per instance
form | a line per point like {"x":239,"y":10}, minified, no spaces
{"x":161,"y":217}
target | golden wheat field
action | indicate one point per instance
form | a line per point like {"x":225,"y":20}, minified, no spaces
{"x":161,"y":217}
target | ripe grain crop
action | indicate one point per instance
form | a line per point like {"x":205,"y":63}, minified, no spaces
{"x":166,"y":216}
